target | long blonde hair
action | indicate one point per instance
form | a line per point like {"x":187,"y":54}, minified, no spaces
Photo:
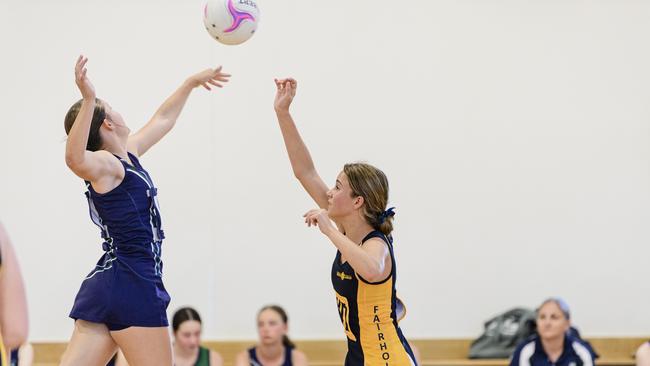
{"x":371,"y":184}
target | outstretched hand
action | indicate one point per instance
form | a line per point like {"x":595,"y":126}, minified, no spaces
{"x":209,"y":77}
{"x":81,"y":79}
{"x":286,"y":90}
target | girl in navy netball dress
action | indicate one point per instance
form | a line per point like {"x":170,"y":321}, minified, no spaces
{"x":122,"y":301}
{"x":274,"y":346}
{"x":364,"y":270}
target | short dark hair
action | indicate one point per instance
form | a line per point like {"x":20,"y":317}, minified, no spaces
{"x":182,"y":315}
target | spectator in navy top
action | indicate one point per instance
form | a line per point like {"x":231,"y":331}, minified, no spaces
{"x":554,"y":344}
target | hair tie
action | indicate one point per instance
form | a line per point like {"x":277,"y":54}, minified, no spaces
{"x":386,"y":214}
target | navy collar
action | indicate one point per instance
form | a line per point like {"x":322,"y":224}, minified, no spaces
{"x":567,"y":349}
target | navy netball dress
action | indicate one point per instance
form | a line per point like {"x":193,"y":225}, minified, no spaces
{"x":254,"y":361}
{"x":125,"y":288}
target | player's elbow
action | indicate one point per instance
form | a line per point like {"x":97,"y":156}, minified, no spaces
{"x":300,"y":173}
{"x":374,"y":273}
{"x":304,"y":175}
{"x":73,"y":161}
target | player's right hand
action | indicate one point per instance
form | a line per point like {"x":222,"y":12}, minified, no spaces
{"x":81,"y":79}
{"x":286,"y":90}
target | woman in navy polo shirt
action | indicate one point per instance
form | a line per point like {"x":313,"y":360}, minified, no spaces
{"x":553,"y":345}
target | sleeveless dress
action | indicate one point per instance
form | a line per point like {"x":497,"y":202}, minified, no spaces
{"x":252,"y":356}
{"x":369,"y":315}
{"x":125,"y":288}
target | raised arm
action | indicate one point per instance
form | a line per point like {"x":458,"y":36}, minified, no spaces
{"x":165,"y":117}
{"x":13,"y":302}
{"x":301,"y":162}
{"x":89,"y":165}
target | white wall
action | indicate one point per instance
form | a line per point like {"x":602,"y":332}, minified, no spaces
{"x":515,"y":135}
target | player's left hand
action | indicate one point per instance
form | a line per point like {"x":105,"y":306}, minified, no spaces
{"x":319,"y":217}
{"x":209,"y":77}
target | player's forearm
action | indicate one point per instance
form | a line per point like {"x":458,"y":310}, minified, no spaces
{"x":301,"y":161}
{"x":364,"y":264}
{"x":168,"y":112}
{"x":75,"y":148}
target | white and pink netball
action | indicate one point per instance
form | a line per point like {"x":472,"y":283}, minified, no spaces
{"x":231,"y":21}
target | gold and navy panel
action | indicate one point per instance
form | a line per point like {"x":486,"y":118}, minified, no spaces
{"x":368,"y":315}
{"x":380,"y":341}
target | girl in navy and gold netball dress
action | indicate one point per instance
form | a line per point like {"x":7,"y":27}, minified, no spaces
{"x":364,"y":270}
{"x":369,"y":313}
{"x":122,"y":301}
